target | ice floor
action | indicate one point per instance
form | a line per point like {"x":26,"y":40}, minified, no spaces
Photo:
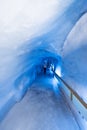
{"x":40,"y":109}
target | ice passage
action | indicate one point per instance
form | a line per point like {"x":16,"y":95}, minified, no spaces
{"x":43,"y":50}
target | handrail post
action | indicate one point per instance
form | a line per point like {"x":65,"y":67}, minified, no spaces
{"x":71,"y":96}
{"x":73,"y":92}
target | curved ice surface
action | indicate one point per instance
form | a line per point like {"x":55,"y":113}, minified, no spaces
{"x":26,"y":39}
{"x":74,"y":57}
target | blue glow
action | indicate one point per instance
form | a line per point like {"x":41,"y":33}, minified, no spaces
{"x":59,"y":67}
{"x":58,"y":71}
{"x":56,"y":84}
{"x":24,"y":54}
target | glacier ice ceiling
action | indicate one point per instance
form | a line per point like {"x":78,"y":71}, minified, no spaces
{"x":33,"y":30}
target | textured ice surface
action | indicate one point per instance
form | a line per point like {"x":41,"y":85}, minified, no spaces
{"x":32,"y":30}
{"x":21,"y":20}
{"x":75,"y":57}
{"x":40,"y":109}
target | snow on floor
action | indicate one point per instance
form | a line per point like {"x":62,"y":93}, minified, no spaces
{"x":40,"y":109}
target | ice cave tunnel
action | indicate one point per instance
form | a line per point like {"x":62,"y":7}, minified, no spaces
{"x":43,"y":65}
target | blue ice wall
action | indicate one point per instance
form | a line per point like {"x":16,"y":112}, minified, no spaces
{"x":17,"y":64}
{"x":75,"y":51}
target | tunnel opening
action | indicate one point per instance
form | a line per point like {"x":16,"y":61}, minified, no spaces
{"x":24,"y":63}
{"x":34,"y":67}
{"x":46,"y":70}
{"x":48,"y":66}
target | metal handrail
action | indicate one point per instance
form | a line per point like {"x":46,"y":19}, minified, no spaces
{"x":72,"y":91}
